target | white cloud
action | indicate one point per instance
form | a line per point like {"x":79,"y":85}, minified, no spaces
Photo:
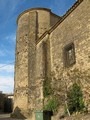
{"x":10,"y":48}
{"x":6,"y":84}
{"x":2,"y":53}
{"x":6,"y":78}
{"x":6,"y":52}
{"x":11,"y":37}
{"x":6,"y":81}
{"x":9,"y":8}
{"x":6,"y":68}
{"x":10,"y":4}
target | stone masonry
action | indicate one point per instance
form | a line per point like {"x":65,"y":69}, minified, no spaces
{"x":31,"y":25}
{"x":40,"y":47}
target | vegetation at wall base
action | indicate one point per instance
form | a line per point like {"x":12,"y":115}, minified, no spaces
{"x":75,"y":99}
{"x":51,"y":105}
{"x":52,"y":102}
{"x":47,"y":87}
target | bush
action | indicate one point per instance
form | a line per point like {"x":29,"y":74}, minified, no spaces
{"x":51,"y":105}
{"x":75,"y":99}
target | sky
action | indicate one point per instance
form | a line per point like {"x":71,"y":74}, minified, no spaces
{"x":9,"y":11}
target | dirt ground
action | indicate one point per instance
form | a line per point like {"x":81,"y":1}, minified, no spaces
{"x":77,"y":117}
{"x":74,"y":117}
{"x":7,"y":117}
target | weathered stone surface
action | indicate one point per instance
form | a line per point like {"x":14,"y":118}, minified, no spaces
{"x":39,"y":59}
{"x":28,"y":95}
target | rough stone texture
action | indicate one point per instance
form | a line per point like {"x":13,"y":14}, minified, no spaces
{"x":53,"y":19}
{"x":28,"y":95}
{"x":38,"y":59}
{"x":75,"y":28}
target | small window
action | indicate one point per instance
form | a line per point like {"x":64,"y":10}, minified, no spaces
{"x":69,"y":55}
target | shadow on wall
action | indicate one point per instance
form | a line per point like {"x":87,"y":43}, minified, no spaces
{"x":17,"y":114}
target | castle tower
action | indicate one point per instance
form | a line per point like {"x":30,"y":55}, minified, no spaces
{"x":31,"y":25}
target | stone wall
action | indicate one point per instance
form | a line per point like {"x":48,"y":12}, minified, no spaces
{"x":31,"y":25}
{"x":21,"y":68}
{"x":74,"y":29}
{"x":43,"y":58}
{"x":54,"y":19}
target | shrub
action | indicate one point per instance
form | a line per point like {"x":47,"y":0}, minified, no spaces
{"x":51,"y":105}
{"x":75,"y":99}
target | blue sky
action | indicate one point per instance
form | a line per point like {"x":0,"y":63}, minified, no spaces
{"x":9,"y":11}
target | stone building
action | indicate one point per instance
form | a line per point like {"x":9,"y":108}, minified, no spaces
{"x":6,"y":103}
{"x":2,"y":98}
{"x":52,"y":51}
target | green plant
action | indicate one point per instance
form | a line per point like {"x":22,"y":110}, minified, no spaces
{"x":51,"y":105}
{"x":75,"y":99}
{"x":47,"y":87}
